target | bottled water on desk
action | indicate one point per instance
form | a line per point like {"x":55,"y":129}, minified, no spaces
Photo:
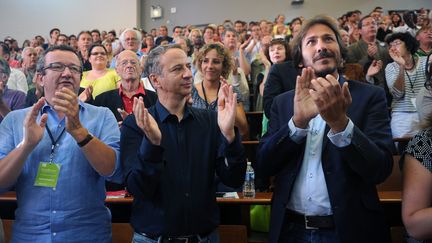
{"x":249,"y":183}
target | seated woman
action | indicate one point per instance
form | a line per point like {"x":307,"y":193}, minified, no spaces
{"x":215,"y":63}
{"x":417,"y":183}
{"x":100,"y":77}
{"x":405,"y":77}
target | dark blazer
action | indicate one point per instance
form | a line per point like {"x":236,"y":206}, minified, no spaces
{"x":281,"y":78}
{"x":351,"y":172}
{"x":113,"y":100}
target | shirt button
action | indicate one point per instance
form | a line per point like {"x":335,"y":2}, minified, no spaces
{"x":54,"y":234}
{"x":54,"y":188}
{"x":186,"y":194}
{"x":54,"y":211}
{"x":310,"y":175}
{"x":309,"y":199}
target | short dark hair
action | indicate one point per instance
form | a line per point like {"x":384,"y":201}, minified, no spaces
{"x":410,"y":42}
{"x":83,"y":32}
{"x":5,"y":48}
{"x":278,"y":41}
{"x":95,"y":31}
{"x":96,"y":45}
{"x":54,"y":29}
{"x":360,"y":23}
{"x":41,"y":61}
{"x":5,"y":66}
{"x":328,"y":21}
{"x":112,"y":32}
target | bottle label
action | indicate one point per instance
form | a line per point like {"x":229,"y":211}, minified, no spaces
{"x":249,"y":176}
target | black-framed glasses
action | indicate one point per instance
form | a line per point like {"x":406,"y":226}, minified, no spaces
{"x":60,"y":67}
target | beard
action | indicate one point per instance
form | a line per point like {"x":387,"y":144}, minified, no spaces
{"x":324,"y":72}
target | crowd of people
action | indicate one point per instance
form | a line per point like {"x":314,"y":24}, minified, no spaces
{"x":164,"y":116}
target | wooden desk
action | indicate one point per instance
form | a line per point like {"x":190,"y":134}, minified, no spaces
{"x":263,"y":198}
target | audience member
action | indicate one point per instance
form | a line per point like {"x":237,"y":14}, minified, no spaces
{"x":328,"y":145}
{"x":100,"y":78}
{"x":165,"y":156}
{"x":9,"y":99}
{"x":59,"y":175}
{"x":130,"y":39}
{"x":215,"y":64}
{"x":120,"y":100}
{"x":405,"y":77}
{"x":84,"y":42}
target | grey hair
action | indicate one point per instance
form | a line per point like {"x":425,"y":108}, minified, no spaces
{"x":152,"y":64}
{"x":5,"y":66}
{"x":137,"y":33}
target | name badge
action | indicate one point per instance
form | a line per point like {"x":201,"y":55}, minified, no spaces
{"x":47,"y":175}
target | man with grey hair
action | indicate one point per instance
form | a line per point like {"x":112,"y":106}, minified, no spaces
{"x":328,"y":145}
{"x":9,"y":99}
{"x":169,"y":167}
{"x":28,"y":65}
{"x":58,"y":154}
{"x":130,"y":39}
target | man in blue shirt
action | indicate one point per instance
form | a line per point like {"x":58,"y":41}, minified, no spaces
{"x":328,"y":145}
{"x":57,"y":154}
{"x":172,"y":151}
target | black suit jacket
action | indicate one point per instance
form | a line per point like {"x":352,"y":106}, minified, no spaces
{"x":351,"y":173}
{"x":113,"y":100}
{"x":282,"y":77}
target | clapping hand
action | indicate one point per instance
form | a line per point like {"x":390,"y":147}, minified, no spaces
{"x":146,"y":122}
{"x":33,"y":132}
{"x":374,"y":68}
{"x":227,"y":105}
{"x":304,"y":106}
{"x":332,"y":101}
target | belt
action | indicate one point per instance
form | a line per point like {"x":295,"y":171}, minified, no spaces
{"x":310,"y":222}
{"x":176,"y":239}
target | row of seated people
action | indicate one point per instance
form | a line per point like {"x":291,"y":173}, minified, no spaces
{"x":128,"y":60}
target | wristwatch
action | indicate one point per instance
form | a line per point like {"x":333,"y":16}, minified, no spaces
{"x":87,"y":139}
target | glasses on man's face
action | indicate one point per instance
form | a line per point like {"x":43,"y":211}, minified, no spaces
{"x":60,"y":67}
{"x":125,"y":63}
{"x":98,"y":53}
{"x":131,"y":39}
{"x":395,"y":43}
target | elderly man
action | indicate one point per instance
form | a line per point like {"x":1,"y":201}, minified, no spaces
{"x":28,"y":65}
{"x":130,"y":39}
{"x":120,"y":101}
{"x":57,"y":154}
{"x":169,"y":166}
{"x":9,"y":99}
{"x":328,"y":145}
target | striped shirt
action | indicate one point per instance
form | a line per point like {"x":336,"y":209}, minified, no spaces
{"x":414,"y":81}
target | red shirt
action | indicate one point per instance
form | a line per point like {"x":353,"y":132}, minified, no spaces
{"x":128,"y":102}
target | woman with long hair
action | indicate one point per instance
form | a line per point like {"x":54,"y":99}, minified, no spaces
{"x":215,"y":63}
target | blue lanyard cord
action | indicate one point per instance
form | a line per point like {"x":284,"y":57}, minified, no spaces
{"x":53,"y":141}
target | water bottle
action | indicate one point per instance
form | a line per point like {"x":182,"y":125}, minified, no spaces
{"x":249,"y":183}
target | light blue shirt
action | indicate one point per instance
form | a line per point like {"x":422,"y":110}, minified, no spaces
{"x":74,"y":211}
{"x":310,"y":194}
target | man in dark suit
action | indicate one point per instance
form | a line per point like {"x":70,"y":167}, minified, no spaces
{"x":281,"y":78}
{"x":329,"y":143}
{"x":120,"y":101}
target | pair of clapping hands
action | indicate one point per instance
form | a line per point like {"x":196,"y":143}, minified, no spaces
{"x":322,"y":95}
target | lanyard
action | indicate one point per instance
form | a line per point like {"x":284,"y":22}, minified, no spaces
{"x":205,"y":96}
{"x":53,"y":141}
{"x":411,"y":83}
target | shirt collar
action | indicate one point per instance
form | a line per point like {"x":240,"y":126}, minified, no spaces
{"x":140,"y":89}
{"x":164,"y":113}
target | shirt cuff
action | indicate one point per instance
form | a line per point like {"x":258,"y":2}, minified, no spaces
{"x":342,"y":139}
{"x":297,"y":134}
